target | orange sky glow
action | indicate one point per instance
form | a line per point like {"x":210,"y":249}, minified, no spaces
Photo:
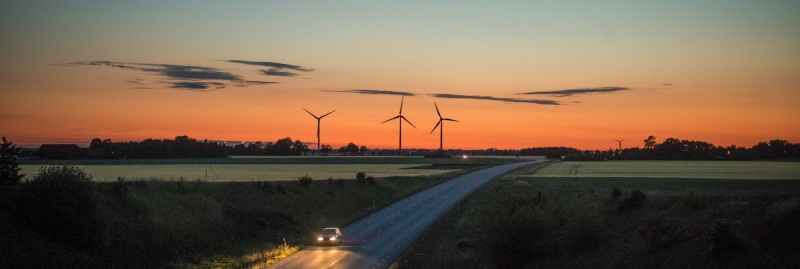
{"x":727,"y":74}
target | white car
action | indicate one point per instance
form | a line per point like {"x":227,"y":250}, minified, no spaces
{"x":330,"y":235}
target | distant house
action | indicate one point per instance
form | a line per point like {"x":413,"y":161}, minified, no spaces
{"x":58,"y":152}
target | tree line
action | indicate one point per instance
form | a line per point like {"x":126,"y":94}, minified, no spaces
{"x":677,"y":149}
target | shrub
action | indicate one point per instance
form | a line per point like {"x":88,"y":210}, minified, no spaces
{"x":636,"y":199}
{"x":361,"y":177}
{"x":61,"y":202}
{"x":280,"y":189}
{"x":305,"y":181}
{"x":120,"y":187}
{"x":661,"y":231}
{"x":340,"y":183}
{"x":722,"y":240}
{"x":616,"y":193}
{"x":371,"y":180}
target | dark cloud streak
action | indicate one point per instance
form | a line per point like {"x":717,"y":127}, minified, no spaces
{"x":199,"y":74}
{"x":272,"y":65}
{"x":383,"y":92}
{"x":491,"y":98}
{"x":570,"y":92}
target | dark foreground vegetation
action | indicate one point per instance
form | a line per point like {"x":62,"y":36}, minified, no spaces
{"x":62,"y":219}
{"x":546,"y":223}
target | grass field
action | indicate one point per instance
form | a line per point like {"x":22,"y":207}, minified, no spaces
{"x":266,"y":168}
{"x":674,"y":169}
{"x":623,"y":214}
{"x":244,"y":172}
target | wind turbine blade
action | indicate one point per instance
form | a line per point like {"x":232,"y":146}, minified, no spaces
{"x":437,"y":125}
{"x":398,"y":116}
{"x":315,"y":116}
{"x":437,"y":110}
{"x":404,"y":118}
{"x":326,"y":114}
{"x":450,"y":119}
{"x":401,"y":104}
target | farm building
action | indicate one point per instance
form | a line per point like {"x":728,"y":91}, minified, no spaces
{"x":58,"y":151}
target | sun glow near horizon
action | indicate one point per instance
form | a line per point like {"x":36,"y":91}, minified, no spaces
{"x":516,"y":75}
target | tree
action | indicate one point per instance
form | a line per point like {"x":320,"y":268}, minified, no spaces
{"x":363,"y":150}
{"x":325,"y":149}
{"x":352,"y":148}
{"x":650,"y":142}
{"x":9,"y":165}
{"x":299,"y":148}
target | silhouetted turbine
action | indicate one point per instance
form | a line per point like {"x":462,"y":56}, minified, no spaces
{"x":620,"y":143}
{"x":318,"y":123}
{"x":400,"y":118}
{"x":441,"y":130}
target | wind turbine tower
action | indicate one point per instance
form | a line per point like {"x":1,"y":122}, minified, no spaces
{"x":441,"y":130}
{"x":318,"y":123}
{"x":620,"y":143}
{"x":400,"y":119}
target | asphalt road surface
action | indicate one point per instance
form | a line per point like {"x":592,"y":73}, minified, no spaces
{"x":378,"y":239}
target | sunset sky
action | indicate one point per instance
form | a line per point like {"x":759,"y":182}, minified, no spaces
{"x":516,"y":74}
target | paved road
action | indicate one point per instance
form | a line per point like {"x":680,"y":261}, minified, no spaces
{"x":378,"y":239}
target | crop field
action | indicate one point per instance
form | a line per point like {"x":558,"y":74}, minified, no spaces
{"x":674,"y":169}
{"x":673,"y":177}
{"x":243,"y":172}
{"x":266,"y":168}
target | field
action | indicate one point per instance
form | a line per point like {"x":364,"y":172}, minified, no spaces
{"x":623,"y":214}
{"x":674,"y":169}
{"x":266,"y":168}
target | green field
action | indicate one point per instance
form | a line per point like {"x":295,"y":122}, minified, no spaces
{"x":675,"y":169}
{"x":266,"y":168}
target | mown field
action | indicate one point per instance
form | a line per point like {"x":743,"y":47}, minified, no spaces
{"x":623,"y":214}
{"x":265,"y":168}
{"x":674,"y":169}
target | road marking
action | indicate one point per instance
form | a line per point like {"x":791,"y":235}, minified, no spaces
{"x":329,"y":265}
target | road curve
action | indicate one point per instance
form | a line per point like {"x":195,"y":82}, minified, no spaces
{"x":377,"y":240}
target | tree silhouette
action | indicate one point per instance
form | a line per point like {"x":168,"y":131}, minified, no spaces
{"x":9,"y":165}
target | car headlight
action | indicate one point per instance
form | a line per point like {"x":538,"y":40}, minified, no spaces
{"x":333,"y":237}
{"x":320,"y":238}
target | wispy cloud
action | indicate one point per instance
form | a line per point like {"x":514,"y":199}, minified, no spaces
{"x":570,"y":92}
{"x":197,"y":86}
{"x":275,"y":69}
{"x":383,"y":92}
{"x":491,"y":98}
{"x":200,"y":78}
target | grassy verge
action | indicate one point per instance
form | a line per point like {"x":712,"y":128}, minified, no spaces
{"x":198,"y":224}
{"x":520,"y":221}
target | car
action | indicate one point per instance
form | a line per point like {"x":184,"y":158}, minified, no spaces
{"x":330,"y":235}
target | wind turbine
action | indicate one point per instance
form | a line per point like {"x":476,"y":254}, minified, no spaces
{"x":318,"y":122}
{"x":620,"y":143}
{"x":441,"y":130}
{"x":400,"y":118}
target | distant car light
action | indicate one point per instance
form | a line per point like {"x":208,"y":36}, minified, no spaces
{"x":333,"y":238}
{"x":463,"y":156}
{"x":320,"y":238}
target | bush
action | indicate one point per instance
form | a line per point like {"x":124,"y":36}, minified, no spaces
{"x":280,"y":189}
{"x":661,"y":231}
{"x":305,"y":181}
{"x":636,"y":199}
{"x":61,"y":202}
{"x":371,"y":180}
{"x":361,"y":177}
{"x":340,"y":183}
{"x":722,"y":240}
